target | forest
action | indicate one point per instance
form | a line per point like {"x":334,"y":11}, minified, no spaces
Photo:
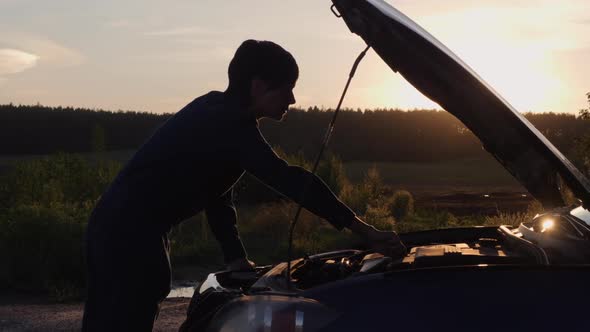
{"x":369,"y":135}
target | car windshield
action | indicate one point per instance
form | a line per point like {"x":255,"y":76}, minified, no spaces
{"x":581,"y":214}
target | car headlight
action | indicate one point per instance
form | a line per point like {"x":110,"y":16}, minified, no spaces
{"x":272,"y":313}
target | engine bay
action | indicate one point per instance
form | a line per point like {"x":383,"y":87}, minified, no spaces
{"x":546,"y":240}
{"x":555,"y":238}
{"x":313,"y":271}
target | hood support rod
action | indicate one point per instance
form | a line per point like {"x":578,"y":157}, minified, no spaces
{"x":317,"y":161}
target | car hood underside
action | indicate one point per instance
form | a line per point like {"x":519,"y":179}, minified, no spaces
{"x":441,"y":76}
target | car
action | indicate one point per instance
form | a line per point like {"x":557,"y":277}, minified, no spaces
{"x":530,"y":277}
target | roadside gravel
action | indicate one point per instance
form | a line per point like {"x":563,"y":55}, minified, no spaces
{"x":30,"y":315}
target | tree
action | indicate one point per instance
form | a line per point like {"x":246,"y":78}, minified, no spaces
{"x":581,"y":148}
{"x":585,"y":112}
{"x":98,"y":139}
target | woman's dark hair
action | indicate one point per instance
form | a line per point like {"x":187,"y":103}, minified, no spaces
{"x":264,"y":60}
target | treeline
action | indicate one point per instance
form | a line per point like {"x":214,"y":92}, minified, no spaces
{"x":42,"y":130}
{"x":377,"y":135}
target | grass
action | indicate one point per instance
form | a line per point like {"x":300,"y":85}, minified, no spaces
{"x":122,"y":156}
{"x":474,"y":174}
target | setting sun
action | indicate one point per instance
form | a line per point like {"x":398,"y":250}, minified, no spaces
{"x":518,"y":50}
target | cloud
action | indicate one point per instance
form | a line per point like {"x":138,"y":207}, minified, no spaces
{"x":15,"y":61}
{"x":49,"y":52}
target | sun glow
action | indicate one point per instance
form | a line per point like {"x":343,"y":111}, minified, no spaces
{"x":395,"y":91}
{"x":512,"y":49}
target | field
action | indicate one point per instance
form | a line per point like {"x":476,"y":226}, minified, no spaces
{"x":119,"y":155}
{"x":464,"y":186}
{"x":466,"y":175}
{"x":461,"y":175}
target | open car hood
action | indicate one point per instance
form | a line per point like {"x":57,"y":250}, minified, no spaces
{"x":440,"y":75}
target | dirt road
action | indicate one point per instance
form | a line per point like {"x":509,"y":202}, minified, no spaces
{"x":33,"y":315}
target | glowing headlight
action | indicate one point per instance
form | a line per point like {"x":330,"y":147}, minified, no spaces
{"x":547,"y":225}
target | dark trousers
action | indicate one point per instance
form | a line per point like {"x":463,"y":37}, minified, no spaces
{"x":128,"y":277}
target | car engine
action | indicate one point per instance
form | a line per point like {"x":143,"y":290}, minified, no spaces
{"x":549,"y":239}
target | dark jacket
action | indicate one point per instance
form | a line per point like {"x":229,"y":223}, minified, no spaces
{"x":191,"y":163}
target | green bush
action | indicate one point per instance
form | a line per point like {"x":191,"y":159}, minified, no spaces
{"x":56,"y":178}
{"x":265,"y":229}
{"x":41,"y":248}
{"x":380,"y":217}
{"x":369,"y":192}
{"x":44,"y":208}
{"x":514,"y":219}
{"x":369,"y":201}
{"x":356,"y":198}
{"x":422,"y":220}
{"x":332,"y":172}
{"x":402,"y":205}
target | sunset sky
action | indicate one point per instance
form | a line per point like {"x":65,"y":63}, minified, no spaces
{"x":150,"y":55}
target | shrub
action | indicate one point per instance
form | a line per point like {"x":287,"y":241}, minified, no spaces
{"x":373,"y":183}
{"x":41,"y":248}
{"x":515,"y":219}
{"x":332,"y":172}
{"x":265,"y":229}
{"x":402,"y":205}
{"x":369,"y":192}
{"x":380,"y":217}
{"x":44,"y":207}
{"x":356,"y":198}
{"x":504,"y":218}
{"x":57,"y":178}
